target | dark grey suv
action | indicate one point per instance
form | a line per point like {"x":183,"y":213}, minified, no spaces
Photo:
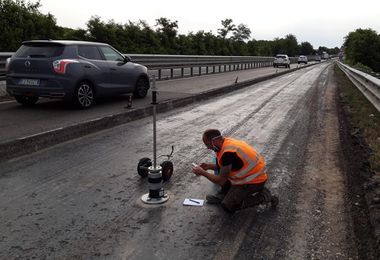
{"x":76,"y":71}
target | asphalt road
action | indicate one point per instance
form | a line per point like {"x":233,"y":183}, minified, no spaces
{"x":17,"y":121}
{"x":81,"y":199}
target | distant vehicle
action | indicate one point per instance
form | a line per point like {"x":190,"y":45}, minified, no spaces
{"x":302,"y":59}
{"x":318,"y":58}
{"x":325,"y":56}
{"x":281,"y":60}
{"x":75,"y":71}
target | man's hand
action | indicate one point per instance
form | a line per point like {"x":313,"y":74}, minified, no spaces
{"x":198,"y":170}
{"x":205,"y":166}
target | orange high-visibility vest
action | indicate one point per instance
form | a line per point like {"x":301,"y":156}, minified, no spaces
{"x":253,"y":170}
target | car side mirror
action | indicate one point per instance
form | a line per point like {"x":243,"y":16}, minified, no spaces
{"x":127,"y":59}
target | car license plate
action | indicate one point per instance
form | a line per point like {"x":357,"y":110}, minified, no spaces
{"x":29,"y":82}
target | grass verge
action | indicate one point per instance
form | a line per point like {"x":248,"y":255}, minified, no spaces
{"x":363,"y":116}
{"x":360,"y":136}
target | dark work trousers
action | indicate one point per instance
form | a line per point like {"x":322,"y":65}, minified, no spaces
{"x":240,"y":196}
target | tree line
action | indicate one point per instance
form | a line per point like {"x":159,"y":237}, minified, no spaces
{"x":362,"y":49}
{"x":22,"y":21}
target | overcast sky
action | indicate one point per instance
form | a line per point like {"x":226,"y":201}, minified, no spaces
{"x":322,"y":22}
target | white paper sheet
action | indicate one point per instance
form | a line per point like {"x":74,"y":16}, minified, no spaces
{"x":193,"y":202}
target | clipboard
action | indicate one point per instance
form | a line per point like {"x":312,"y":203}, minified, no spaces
{"x":193,"y":202}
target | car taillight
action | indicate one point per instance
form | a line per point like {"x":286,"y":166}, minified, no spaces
{"x":60,"y":65}
{"x":7,"y":61}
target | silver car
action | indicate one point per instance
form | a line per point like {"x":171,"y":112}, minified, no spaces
{"x":302,"y":59}
{"x":281,"y":60}
{"x":76,"y":71}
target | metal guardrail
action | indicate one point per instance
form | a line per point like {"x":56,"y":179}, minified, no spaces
{"x":195,"y":64}
{"x":192,"y":63}
{"x":367,"y":84}
{"x":3,"y":57}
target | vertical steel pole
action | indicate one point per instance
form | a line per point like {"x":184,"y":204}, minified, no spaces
{"x":154,"y":103}
{"x":156,"y":193}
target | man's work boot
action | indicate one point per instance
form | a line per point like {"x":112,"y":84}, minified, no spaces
{"x":215,"y":199}
{"x":274,"y":202}
{"x":266,"y":196}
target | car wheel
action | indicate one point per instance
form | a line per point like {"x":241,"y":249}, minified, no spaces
{"x":84,"y":95}
{"x":142,"y":86}
{"x":27,"y":101}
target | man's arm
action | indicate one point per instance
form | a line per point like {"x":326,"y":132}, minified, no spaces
{"x":208,"y":166}
{"x":217,"y":179}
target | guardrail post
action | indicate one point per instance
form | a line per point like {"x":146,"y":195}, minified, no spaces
{"x":182,"y":72}
{"x":159,"y":74}
{"x":171,"y":73}
{"x":206,"y":69}
{"x":199,"y":71}
{"x":213,"y":69}
{"x":192,"y":71}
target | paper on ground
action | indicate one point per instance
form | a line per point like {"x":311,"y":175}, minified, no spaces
{"x":193,"y":202}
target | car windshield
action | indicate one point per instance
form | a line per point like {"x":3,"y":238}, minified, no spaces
{"x":280,"y":56}
{"x":39,"y":51}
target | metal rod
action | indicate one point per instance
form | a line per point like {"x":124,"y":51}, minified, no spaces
{"x":154,"y":103}
{"x":154,"y":137}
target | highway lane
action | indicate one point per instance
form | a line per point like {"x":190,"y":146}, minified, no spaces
{"x":81,"y":199}
{"x":17,"y":121}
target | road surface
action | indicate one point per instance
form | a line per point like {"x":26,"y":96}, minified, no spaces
{"x":81,"y":199}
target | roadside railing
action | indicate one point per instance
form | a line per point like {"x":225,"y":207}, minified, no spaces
{"x":173,"y":66}
{"x":367,"y":84}
{"x":3,"y":57}
{"x":191,"y":65}
{"x":180,"y":66}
